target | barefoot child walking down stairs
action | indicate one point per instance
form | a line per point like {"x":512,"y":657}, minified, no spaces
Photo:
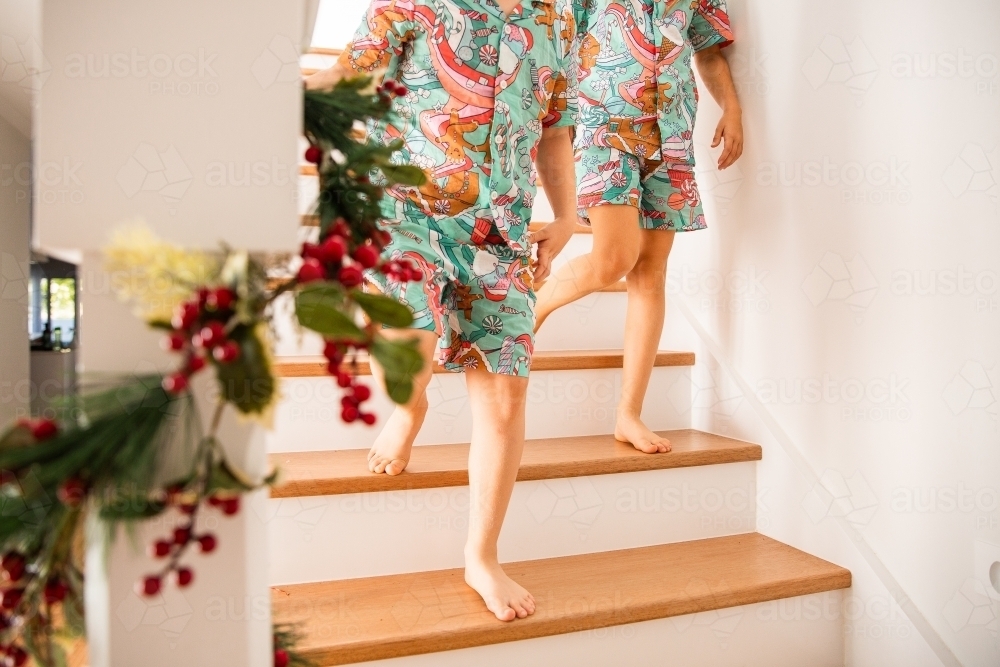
{"x":479,"y":114}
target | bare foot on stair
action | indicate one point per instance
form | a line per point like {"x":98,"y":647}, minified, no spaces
{"x":629,"y":428}
{"x":502,"y":595}
{"x":391,"y":451}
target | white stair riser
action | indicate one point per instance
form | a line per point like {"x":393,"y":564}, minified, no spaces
{"x":795,"y":632}
{"x":317,"y":538}
{"x":560,"y":404}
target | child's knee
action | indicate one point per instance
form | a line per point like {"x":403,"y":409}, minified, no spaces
{"x":612,"y":264}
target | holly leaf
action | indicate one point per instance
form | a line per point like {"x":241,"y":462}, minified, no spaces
{"x":320,"y":307}
{"x":404,"y":174}
{"x":400,"y":361}
{"x":381,"y":308}
{"x":247,"y":382}
{"x":226,"y":479}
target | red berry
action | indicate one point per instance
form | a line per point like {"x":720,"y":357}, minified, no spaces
{"x":185,"y":315}
{"x":13,"y":565}
{"x":401,"y":90}
{"x":12,"y":598}
{"x":195,"y":364}
{"x":212,"y":334}
{"x":174,"y":341}
{"x":311,"y":270}
{"x":366,"y":255}
{"x":161,"y":549}
{"x":333,"y":249}
{"x":349,"y":414}
{"x":214,"y":501}
{"x":314,"y":154}
{"x":207,"y":543}
{"x":227,"y":353}
{"x":381,"y":238}
{"x":333,"y":351}
{"x":43,"y":429}
{"x":348,"y":402}
{"x":188,"y":508}
{"x":17,"y":655}
{"x":184,"y":577}
{"x":182,"y":535}
{"x":362,"y":393}
{"x":221,"y":298}
{"x":344,"y":379}
{"x":350,"y":276}
{"x":175,"y":384}
{"x":55,"y":591}
{"x":149,"y":586}
{"x":280,"y":657}
{"x":72,"y":492}
{"x":340,"y":228}
{"x":368,"y":418}
{"x":310,"y":250}
{"x":231,"y":506}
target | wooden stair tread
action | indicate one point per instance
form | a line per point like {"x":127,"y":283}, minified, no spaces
{"x":381,"y":617}
{"x":552,"y":360}
{"x":346,"y":471}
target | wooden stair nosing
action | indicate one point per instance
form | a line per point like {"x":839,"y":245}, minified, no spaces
{"x":383,"y":617}
{"x":541,"y":361}
{"x":327,"y":473}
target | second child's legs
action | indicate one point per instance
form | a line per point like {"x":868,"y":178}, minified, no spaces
{"x":646,"y":284}
{"x":497,"y":442}
{"x":391,"y":451}
{"x":617,"y":242}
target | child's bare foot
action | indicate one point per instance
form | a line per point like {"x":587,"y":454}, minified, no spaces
{"x":391,"y":451}
{"x":502,"y":595}
{"x":629,"y":428}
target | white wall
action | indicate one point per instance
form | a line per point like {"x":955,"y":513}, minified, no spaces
{"x":15,"y":193}
{"x":857,"y":246}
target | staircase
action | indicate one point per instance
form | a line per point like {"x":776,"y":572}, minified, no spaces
{"x":633,"y":559}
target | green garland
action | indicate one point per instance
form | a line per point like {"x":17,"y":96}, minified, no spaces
{"x":110,"y":458}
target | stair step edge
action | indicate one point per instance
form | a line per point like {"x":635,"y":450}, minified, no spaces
{"x":574,"y":593}
{"x":328,"y":473}
{"x":541,"y":361}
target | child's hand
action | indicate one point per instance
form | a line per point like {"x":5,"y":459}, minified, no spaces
{"x":730,"y":130}
{"x":551,"y":239}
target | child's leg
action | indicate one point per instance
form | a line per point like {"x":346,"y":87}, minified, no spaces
{"x":497,"y":441}
{"x":391,"y":451}
{"x":643,"y":326}
{"x":617,"y":243}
